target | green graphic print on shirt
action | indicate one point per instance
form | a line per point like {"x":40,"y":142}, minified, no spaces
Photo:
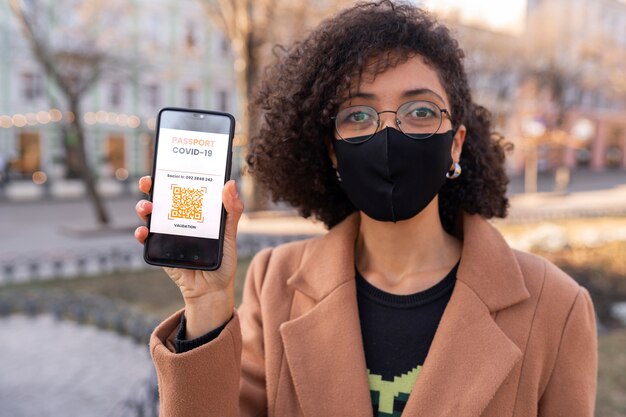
{"x":390,"y":397}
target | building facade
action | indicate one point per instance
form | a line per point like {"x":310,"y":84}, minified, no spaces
{"x":557,"y":89}
{"x":166,"y":53}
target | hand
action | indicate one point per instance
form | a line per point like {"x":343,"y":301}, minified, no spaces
{"x":209,"y":295}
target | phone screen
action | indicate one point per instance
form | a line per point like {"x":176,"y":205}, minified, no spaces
{"x":192,"y":164}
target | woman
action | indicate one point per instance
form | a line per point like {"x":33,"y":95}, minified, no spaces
{"x":411,"y":304}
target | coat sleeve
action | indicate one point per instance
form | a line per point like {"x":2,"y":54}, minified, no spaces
{"x":571,"y":390}
{"x":225,"y":377}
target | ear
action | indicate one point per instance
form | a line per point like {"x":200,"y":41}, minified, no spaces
{"x":457,"y":143}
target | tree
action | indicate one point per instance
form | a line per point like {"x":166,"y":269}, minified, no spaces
{"x":75,"y":60}
{"x":253,"y":27}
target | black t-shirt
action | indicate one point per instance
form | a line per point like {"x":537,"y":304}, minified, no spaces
{"x":397,"y":333}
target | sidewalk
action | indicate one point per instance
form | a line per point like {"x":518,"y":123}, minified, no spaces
{"x":54,"y":367}
{"x":543,"y":206}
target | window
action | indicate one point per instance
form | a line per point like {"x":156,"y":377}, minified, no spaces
{"x":29,"y":154}
{"x":115,"y":94}
{"x":224,"y":45}
{"x":152,"y":33}
{"x":191,"y":40}
{"x":222,"y":100}
{"x":191,"y":97}
{"x":614,"y":153}
{"x":114,"y":157}
{"x":31,"y":86}
{"x":147,"y":141}
{"x":152,"y":95}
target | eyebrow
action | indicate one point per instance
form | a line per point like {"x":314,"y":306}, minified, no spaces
{"x":406,"y":94}
{"x":420,"y":92}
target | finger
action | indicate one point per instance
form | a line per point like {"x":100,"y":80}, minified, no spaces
{"x":143,"y":208}
{"x":141,"y":233}
{"x":145,"y":183}
{"x":234,"y":208}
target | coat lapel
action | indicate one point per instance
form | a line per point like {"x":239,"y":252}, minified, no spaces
{"x":324,"y":350}
{"x":469,"y":358}
{"x":323,"y":346}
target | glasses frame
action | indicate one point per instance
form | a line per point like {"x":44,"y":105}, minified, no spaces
{"x":397,"y":121}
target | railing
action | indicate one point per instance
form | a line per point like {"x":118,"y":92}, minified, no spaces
{"x":77,"y":262}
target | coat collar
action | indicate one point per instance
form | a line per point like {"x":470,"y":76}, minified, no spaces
{"x":470,"y":355}
{"x":329,"y":263}
{"x":329,"y":260}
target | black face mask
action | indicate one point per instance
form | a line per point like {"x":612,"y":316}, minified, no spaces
{"x":391,"y":177}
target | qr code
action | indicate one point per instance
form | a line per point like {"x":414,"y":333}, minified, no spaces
{"x":187,"y":203}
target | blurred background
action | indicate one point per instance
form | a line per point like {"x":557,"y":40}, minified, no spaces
{"x":81,"y":83}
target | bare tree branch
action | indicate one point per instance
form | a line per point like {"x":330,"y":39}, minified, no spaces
{"x":251,"y":26}
{"x":75,"y":66}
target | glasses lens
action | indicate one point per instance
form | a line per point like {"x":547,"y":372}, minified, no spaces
{"x":357,"y":123}
{"x":419,"y":119}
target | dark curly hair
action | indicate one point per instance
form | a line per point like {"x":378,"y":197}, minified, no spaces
{"x":299,"y":94}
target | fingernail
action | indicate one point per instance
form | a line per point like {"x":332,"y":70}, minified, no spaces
{"x":233,"y":191}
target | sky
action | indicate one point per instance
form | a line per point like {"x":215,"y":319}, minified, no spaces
{"x":506,"y":16}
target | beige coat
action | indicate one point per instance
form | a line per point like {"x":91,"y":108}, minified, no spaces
{"x":518,"y":338}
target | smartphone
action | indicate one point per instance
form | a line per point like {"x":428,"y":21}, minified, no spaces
{"x":192,"y":162}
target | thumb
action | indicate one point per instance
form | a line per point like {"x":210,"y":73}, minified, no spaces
{"x":234,"y":208}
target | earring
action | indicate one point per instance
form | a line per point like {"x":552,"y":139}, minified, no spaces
{"x":454,"y":174}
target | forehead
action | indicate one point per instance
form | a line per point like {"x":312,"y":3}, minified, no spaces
{"x":382,"y":84}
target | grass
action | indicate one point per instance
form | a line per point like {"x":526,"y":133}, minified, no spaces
{"x":611,"y":401}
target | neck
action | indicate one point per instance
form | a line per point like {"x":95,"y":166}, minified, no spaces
{"x":407,"y":256}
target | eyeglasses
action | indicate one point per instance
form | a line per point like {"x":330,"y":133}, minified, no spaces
{"x":417,"y":119}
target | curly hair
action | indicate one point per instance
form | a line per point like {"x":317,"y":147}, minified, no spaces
{"x":304,"y":88}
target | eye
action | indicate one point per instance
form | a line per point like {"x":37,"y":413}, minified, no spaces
{"x":356,"y":121}
{"x":419,"y":111}
{"x":358,"y":117}
{"x":422,"y":113}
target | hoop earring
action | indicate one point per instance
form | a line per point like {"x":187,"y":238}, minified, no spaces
{"x":452,"y":175}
